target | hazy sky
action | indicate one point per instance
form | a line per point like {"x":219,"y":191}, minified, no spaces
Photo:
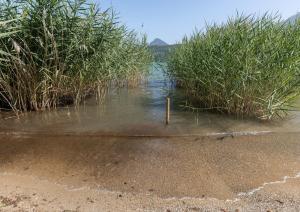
{"x":170,"y":20}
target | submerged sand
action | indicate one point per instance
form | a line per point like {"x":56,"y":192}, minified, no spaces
{"x":94,"y":173}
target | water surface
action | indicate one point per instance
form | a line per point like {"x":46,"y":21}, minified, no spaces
{"x":141,"y":111}
{"x":77,"y":147}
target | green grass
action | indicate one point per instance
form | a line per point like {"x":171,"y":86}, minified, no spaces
{"x":58,"y":51}
{"x":249,"y":67}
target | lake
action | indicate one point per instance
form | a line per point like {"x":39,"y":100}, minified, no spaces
{"x":141,"y":111}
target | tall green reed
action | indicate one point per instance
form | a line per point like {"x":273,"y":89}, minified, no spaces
{"x":249,"y":66}
{"x":62,"y":51}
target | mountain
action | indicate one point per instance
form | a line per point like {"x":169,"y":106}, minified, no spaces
{"x":293,"y":19}
{"x":158,"y":42}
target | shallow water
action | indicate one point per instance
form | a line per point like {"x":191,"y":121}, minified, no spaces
{"x":141,"y":111}
{"x":124,"y":145}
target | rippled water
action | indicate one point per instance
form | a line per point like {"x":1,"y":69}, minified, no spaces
{"x":141,"y":111}
{"x":79,"y":155}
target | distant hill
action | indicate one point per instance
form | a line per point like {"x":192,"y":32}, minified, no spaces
{"x":293,"y":18}
{"x":158,"y":42}
{"x":160,"y":50}
{"x":160,"y":53}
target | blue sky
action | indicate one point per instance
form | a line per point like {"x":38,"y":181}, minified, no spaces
{"x":170,"y":20}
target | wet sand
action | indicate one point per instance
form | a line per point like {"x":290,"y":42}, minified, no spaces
{"x":21,"y":193}
{"x":155,"y":173}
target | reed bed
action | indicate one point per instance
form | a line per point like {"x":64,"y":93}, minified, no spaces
{"x":248,"y":66}
{"x":56,"y":52}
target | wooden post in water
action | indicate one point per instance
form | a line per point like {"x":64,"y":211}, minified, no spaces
{"x":167,"y":110}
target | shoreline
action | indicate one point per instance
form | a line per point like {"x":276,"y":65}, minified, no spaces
{"x":156,"y":173}
{"x":24,"y":193}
